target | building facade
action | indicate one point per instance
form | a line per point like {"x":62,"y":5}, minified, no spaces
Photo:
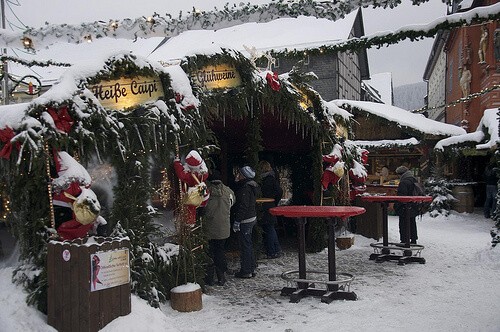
{"x":472,"y":57}
{"x":435,"y":76}
{"x":339,"y":75}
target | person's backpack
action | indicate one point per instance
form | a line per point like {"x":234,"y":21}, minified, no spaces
{"x":418,"y":209}
{"x":418,"y":189}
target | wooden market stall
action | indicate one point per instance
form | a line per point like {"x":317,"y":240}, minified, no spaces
{"x":393,"y":137}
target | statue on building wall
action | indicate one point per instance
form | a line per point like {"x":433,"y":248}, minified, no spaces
{"x":483,"y":44}
{"x":467,"y":52}
{"x":465,"y":79}
{"x":497,"y":44}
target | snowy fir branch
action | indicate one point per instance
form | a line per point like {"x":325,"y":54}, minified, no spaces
{"x":33,"y":63}
{"x":169,"y":26}
{"x":413,"y":32}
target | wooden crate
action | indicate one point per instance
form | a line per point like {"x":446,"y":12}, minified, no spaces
{"x":71,"y":305}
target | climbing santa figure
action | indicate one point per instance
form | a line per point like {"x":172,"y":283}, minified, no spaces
{"x":192,"y":174}
{"x":334,"y":169}
{"x":76,"y":208}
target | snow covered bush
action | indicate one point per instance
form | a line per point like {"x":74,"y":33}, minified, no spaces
{"x":440,"y":190}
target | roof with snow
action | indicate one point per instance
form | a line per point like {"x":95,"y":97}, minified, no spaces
{"x":278,"y":35}
{"x":486,"y":134}
{"x":403,"y":118}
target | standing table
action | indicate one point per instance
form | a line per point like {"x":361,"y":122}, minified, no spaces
{"x":404,"y":251}
{"x":306,"y":286}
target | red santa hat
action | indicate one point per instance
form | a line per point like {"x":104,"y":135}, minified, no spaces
{"x":195,"y":163}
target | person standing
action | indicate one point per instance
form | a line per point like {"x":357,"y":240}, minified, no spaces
{"x":405,"y":188}
{"x":491,"y":180}
{"x":270,"y":188}
{"x":245,"y":218}
{"x":216,"y":226}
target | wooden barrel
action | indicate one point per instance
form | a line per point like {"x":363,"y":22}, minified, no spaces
{"x":464,"y":196}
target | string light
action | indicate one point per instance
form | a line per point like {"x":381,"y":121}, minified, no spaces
{"x":49,"y":185}
{"x":165,"y":190}
{"x":459,"y":101}
{"x":27,"y":42}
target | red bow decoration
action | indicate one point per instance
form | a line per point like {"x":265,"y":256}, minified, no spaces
{"x":62,"y":119}
{"x":273,"y":81}
{"x":178,"y":98}
{"x":6,"y":136}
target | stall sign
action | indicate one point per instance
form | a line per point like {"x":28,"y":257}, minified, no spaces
{"x":109,"y":269}
{"x":125,"y":93}
{"x":217,"y":77}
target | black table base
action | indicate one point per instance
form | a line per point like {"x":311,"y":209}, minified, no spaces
{"x":327,"y":296}
{"x":385,"y":253}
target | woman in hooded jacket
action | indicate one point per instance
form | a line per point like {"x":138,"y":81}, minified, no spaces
{"x":270,"y":188}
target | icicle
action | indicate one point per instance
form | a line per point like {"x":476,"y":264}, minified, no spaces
{"x":139,"y":135}
{"x":248,"y":107}
{"x":81,"y":147}
{"x":223,"y":117}
{"x":251,"y":103}
{"x":97,"y":152}
{"x":120,"y":148}
{"x":154,"y":136}
{"x":19,"y":157}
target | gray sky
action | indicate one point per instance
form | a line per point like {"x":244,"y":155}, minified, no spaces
{"x":406,"y":61}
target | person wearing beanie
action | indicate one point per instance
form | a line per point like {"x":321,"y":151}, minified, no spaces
{"x":401,"y":170}
{"x":405,"y":188}
{"x":216,"y":226}
{"x":270,"y":188}
{"x":245,"y":218}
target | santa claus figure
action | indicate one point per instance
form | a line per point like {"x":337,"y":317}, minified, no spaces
{"x":357,"y":175}
{"x":192,"y":174}
{"x":335,"y":169}
{"x":76,"y":208}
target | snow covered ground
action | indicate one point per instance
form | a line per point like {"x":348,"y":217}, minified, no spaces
{"x":458,"y":289}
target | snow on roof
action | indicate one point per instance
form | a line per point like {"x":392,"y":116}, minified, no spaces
{"x":382,"y":82}
{"x":96,"y":51}
{"x":286,"y":33}
{"x":14,"y":116}
{"x":489,"y":123}
{"x":387,"y":143}
{"x":404,"y":118}
{"x":333,"y":109}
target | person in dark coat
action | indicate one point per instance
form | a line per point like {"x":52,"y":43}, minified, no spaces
{"x":270,"y":188}
{"x":405,"y":188}
{"x":245,"y":218}
{"x":490,"y":177}
{"x":217,"y":225}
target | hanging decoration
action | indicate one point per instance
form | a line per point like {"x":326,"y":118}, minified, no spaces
{"x":157,"y":26}
{"x":6,"y":136}
{"x":273,"y":81}
{"x":462,"y":100}
{"x":334,"y":170}
{"x":76,"y":208}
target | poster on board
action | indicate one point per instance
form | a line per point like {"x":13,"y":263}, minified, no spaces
{"x":109,"y":269}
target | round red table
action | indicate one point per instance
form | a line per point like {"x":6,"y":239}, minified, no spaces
{"x":384,"y":200}
{"x":333,"y":214}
